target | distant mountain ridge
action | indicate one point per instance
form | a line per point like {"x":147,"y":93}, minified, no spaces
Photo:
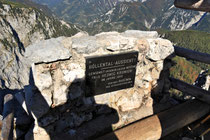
{"x":81,"y":11}
{"x":105,"y":15}
{"x":30,"y":3}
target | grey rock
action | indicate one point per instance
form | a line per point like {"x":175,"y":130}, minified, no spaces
{"x":60,"y":95}
{"x":75,"y":74}
{"x":85,"y":45}
{"x":140,"y":34}
{"x":43,"y":80}
{"x":104,"y":34}
{"x":60,"y":89}
{"x":118,"y":43}
{"x":130,"y":101}
{"x":14,"y":69}
{"x":47,"y":51}
{"x":159,"y":49}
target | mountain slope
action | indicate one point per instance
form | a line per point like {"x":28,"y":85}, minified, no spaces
{"x":21,"y":25}
{"x":30,"y":3}
{"x":150,"y":15}
{"x":79,"y":11}
{"x":105,"y":15}
{"x":203,"y":25}
{"x":120,"y":18}
{"x":35,"y":23}
{"x":176,"y":19}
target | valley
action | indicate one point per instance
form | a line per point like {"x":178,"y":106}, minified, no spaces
{"x":97,"y":16}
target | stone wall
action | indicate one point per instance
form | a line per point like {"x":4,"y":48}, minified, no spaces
{"x":55,"y":97}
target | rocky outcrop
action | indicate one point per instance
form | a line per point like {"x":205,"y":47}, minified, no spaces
{"x":47,"y":51}
{"x":203,"y":80}
{"x":21,"y":26}
{"x":55,"y":94}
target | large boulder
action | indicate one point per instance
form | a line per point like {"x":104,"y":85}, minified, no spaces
{"x":47,"y":51}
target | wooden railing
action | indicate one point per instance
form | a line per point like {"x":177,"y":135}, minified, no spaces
{"x":162,"y":124}
{"x":198,"y":5}
{"x":184,"y":87}
{"x":8,"y":118}
{"x":193,"y":55}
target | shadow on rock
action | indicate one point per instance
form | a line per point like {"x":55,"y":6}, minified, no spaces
{"x":79,"y":118}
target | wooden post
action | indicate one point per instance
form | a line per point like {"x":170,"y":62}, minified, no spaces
{"x":8,"y":117}
{"x":162,"y":124}
{"x":197,"y":92}
{"x":198,"y":5}
{"x":0,"y":126}
{"x":190,"y":54}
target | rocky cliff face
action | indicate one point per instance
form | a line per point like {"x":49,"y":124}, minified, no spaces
{"x":55,"y":96}
{"x":152,"y":14}
{"x":173,"y":18}
{"x":20,"y":26}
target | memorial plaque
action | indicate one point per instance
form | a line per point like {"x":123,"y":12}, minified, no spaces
{"x":110,"y":72}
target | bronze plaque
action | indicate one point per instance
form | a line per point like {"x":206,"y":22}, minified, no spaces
{"x":110,"y":72}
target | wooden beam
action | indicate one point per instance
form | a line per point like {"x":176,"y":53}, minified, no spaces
{"x":162,"y":124}
{"x":195,"y":91}
{"x":194,"y":55}
{"x":8,"y":118}
{"x":198,"y":5}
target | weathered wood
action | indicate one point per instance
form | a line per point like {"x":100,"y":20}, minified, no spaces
{"x":194,"y":55}
{"x":201,"y":128}
{"x":0,"y":126}
{"x":197,"y":92}
{"x":8,"y":117}
{"x":198,"y":5}
{"x":162,"y":124}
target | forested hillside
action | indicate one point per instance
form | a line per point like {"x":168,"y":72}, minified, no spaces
{"x":188,"y":70}
{"x":195,"y":40}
